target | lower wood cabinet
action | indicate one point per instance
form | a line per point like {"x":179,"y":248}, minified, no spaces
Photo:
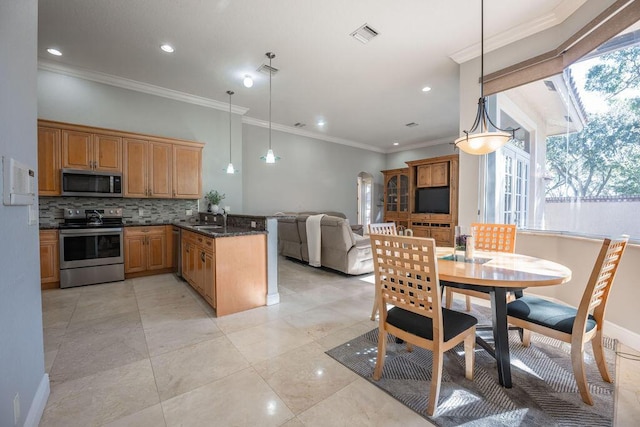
{"x":146,"y":249}
{"x":49,"y":259}
{"x":442,"y":233}
{"x":230,"y":273}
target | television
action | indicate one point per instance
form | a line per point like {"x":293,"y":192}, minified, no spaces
{"x":432,"y":200}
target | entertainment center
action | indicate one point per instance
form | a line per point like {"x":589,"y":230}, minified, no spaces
{"x":424,"y":197}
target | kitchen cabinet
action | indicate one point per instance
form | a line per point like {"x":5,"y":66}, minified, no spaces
{"x":396,"y":196}
{"x":433,"y":175}
{"x":49,"y":259}
{"x":187,"y":169}
{"x":198,"y":266}
{"x":145,"y":249}
{"x":91,"y":151}
{"x":230,"y":273}
{"x":148,"y":168}
{"x":49,"y":157}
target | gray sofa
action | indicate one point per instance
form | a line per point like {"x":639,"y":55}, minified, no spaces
{"x":342,"y":248}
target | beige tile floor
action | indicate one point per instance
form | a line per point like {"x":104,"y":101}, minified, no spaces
{"x":150,"y":352}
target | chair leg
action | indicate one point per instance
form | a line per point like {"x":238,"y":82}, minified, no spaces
{"x":577,"y":361}
{"x":598,"y":353}
{"x":382,"y":350}
{"x":468,"y":301}
{"x":375,"y":303}
{"x":469,"y":355}
{"x":436,"y":378}
{"x":448,"y":297}
{"x":409,"y":347}
{"x":525,"y":336}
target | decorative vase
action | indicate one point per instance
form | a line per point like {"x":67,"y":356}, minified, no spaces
{"x":215,"y":209}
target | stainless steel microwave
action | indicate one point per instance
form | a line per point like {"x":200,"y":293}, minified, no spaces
{"x":85,"y":183}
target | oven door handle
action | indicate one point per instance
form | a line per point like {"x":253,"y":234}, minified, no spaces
{"x":91,"y":231}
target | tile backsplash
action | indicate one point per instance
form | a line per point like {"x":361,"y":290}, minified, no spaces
{"x":153,"y":210}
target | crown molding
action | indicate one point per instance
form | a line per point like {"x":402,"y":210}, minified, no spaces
{"x":137,"y":86}
{"x":553,"y":18}
{"x":296,"y":131}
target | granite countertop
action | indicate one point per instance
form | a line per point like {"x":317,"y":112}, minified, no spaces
{"x":221,"y":231}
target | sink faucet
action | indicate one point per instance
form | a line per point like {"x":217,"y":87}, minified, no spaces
{"x":224,"y":218}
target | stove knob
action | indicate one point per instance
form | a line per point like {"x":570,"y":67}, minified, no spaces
{"x":77,"y":212}
{"x":70,"y":211}
{"x":111,"y":211}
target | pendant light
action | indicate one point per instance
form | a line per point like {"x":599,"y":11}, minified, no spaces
{"x":230,"y":169}
{"x":270,"y":157}
{"x":485,"y":141}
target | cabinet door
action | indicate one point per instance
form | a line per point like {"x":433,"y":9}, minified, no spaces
{"x":198,"y":274}
{"x":49,"y":148}
{"x":107,"y":153}
{"x":209,"y":279}
{"x":424,"y":176}
{"x":186,"y":273}
{"x":420,"y":232}
{"x":187,"y":165}
{"x":403,"y":193}
{"x":440,"y":174}
{"x":135,"y":168}
{"x":135,"y":252}
{"x":442,"y":236}
{"x":160,"y":170}
{"x":156,"y":249}
{"x":77,"y":150}
{"x":391,"y":195}
{"x":49,"y":257}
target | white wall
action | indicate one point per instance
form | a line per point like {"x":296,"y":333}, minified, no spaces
{"x":74,"y":100}
{"x":397,"y":160}
{"x":311,"y":175}
{"x":21,"y":345}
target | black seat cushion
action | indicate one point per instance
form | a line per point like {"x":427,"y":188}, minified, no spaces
{"x":546,"y":313}
{"x":454,"y":322}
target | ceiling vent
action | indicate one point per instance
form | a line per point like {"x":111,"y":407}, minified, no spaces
{"x":568,"y":119}
{"x":411,"y":125}
{"x":265,"y":68}
{"x":299,"y":125}
{"x":549,"y":84}
{"x":364,"y":34}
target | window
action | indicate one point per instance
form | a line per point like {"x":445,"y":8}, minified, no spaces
{"x":365,"y":203}
{"x":576,"y":164}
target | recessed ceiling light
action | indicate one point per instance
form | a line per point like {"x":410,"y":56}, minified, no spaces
{"x":396,"y":143}
{"x":167,"y":48}
{"x":321,"y":123}
{"x":426,"y":89}
{"x":54,"y":51}
{"x":247,"y":81}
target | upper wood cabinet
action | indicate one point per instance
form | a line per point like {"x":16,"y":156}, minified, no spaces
{"x":48,"y":161}
{"x":91,"y":151}
{"x":151,"y":166}
{"x":148,"y":169}
{"x":187,"y":165}
{"x":396,"y":196}
{"x":433,"y":175}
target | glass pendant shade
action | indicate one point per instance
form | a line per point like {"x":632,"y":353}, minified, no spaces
{"x":485,"y":141}
{"x":230,"y":168}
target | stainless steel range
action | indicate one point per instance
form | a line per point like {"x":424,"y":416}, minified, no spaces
{"x":91,"y":247}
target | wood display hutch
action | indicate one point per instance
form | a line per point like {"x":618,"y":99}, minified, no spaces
{"x":396,"y":196}
{"x":433,"y":201}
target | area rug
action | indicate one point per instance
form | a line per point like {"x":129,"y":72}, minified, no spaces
{"x":544,"y":391}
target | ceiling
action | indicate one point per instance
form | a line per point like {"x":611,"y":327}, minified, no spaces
{"x":366,"y":93}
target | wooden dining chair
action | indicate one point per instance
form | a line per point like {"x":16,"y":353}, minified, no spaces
{"x":388,"y":228}
{"x":570,"y":325}
{"x":406,"y":274}
{"x":487,"y":237}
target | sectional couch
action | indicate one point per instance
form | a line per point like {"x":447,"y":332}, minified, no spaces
{"x":342,"y":247}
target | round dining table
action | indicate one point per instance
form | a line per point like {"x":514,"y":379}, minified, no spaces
{"x":498,"y":273}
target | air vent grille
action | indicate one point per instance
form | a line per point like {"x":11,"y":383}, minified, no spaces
{"x":265,"y":68}
{"x":411,"y":125}
{"x":549,"y":84}
{"x":364,"y":34}
{"x":299,"y":125}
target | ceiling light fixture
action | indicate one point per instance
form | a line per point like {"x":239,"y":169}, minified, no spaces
{"x":485,"y":141}
{"x":230,"y":169}
{"x":321,"y":123}
{"x":167,"y":48}
{"x":396,"y":143}
{"x":426,"y":89}
{"x":270,"y":157}
{"x":247,"y":81}
{"x":54,"y":51}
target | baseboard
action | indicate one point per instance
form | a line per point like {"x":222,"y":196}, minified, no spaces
{"x":273,"y":298}
{"x":625,"y":336}
{"x":39,"y":402}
